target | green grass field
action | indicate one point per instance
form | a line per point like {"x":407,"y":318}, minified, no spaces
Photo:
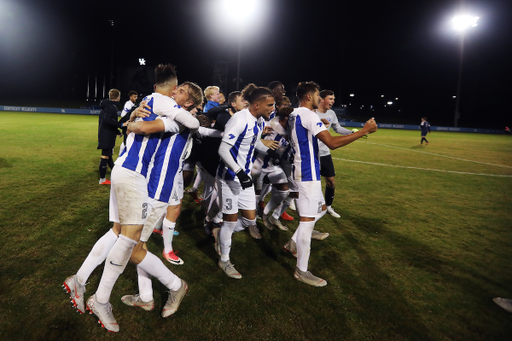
{"x":423,"y":245}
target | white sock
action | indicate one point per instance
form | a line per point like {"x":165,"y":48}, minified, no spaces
{"x":97,"y":255}
{"x":226,"y":232}
{"x":320,"y":216}
{"x":239,"y":226}
{"x":145,"y":285}
{"x":115,"y":264}
{"x":284,"y":205}
{"x":275,"y":200}
{"x":199,"y":179}
{"x":265,"y":189}
{"x":156,"y":268}
{"x":304,"y":243}
{"x":168,"y":232}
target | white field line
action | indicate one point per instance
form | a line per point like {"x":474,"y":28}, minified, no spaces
{"x":425,"y":169}
{"x":441,"y":155}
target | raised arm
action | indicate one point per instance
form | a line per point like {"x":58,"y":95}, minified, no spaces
{"x":334,"y":142}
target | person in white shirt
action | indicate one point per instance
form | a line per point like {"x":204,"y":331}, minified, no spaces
{"x":305,"y":129}
{"x":241,"y":137}
{"x":132,"y":95}
{"x":329,"y":118}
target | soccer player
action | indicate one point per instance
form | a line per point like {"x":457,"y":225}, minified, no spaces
{"x":108,"y":129}
{"x":425,"y":129}
{"x":241,"y":136}
{"x":165,"y":189}
{"x":305,"y":129}
{"x":129,"y":206}
{"x":274,"y":173}
{"x":132,"y":95}
{"x":329,"y":118}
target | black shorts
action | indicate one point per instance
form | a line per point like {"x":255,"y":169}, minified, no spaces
{"x":107,"y":152}
{"x":326,"y":166}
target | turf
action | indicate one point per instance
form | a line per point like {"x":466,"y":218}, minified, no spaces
{"x":422,"y":247}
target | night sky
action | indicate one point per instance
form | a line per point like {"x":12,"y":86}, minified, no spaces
{"x":399,"y":49}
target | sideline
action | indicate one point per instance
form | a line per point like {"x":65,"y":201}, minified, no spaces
{"x":425,"y":169}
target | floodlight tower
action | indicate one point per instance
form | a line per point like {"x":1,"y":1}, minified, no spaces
{"x":239,"y":11}
{"x":460,"y":24}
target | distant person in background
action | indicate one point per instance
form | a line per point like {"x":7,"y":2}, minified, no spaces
{"x":108,"y":129}
{"x":222,"y":99}
{"x":212,"y":95}
{"x":128,"y":106}
{"x":507,"y":131}
{"x":330,"y":120}
{"x":425,"y":129}
{"x":132,"y":95}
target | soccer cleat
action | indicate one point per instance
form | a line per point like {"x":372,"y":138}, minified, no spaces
{"x":308,"y":278}
{"x":292,"y":205}
{"x":254,"y":232}
{"x":76,"y":293}
{"x":319,"y":235}
{"x":174,"y":300}
{"x":105,"y":182}
{"x":215,"y":234}
{"x":160,"y":232}
{"x":505,"y":303}
{"x":291,"y":247}
{"x":104,"y":314}
{"x":277,"y":223}
{"x":135,"y":301}
{"x":267,"y":223}
{"x":229,"y":269}
{"x":332,"y":212}
{"x":172,"y":258}
{"x":286,"y":216}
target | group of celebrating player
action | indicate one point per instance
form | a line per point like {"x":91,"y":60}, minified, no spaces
{"x":147,"y":181}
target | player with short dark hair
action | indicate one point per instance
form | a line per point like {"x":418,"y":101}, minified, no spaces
{"x":241,"y":136}
{"x":329,"y":118}
{"x":305,"y":129}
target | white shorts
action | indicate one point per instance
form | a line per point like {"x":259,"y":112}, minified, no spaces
{"x":233,"y":197}
{"x":155,"y":218}
{"x":275,"y":174}
{"x":128,"y":197}
{"x":287,"y":168}
{"x":177,"y":190}
{"x":311,"y":199}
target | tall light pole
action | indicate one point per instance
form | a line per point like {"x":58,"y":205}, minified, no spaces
{"x":461,"y":23}
{"x":239,"y":12}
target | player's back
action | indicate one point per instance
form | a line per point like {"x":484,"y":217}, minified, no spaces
{"x":303,"y":126}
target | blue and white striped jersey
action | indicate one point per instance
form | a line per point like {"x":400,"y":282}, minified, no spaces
{"x":167,"y":164}
{"x":242,"y":132}
{"x":303,"y":126}
{"x":140,"y":149}
{"x":278,"y":134}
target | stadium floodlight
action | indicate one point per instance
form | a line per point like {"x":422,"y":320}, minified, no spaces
{"x":142,"y":61}
{"x":390,"y":103}
{"x":242,"y":13}
{"x":460,"y":24}
{"x":352,"y":95}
